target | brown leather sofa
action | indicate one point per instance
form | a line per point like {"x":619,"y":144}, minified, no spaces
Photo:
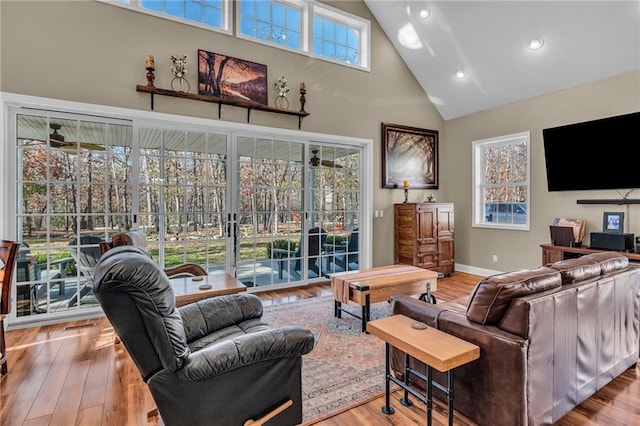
{"x":549,"y":338}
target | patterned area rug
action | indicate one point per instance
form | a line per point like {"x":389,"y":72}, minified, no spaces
{"x":346,"y":367}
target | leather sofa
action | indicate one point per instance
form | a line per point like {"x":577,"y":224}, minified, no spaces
{"x":549,"y":338}
{"x":212,"y":362}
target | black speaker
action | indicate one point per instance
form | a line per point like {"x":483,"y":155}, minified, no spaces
{"x":637,"y":244}
{"x":608,"y":241}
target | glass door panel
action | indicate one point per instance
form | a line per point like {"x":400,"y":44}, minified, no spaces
{"x":72,"y":174}
{"x":183,"y":177}
{"x":334,"y":205}
{"x":270,"y":211}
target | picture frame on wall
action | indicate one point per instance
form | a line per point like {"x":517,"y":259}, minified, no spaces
{"x":230,"y":78}
{"x":409,"y":154}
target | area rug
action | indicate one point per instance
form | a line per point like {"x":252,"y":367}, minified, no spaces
{"x":346,"y":366}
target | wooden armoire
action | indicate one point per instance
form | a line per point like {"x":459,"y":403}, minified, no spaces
{"x":424,"y":236}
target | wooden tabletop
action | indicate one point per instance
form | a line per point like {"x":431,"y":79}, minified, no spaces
{"x":383,"y":276}
{"x":187,"y":290}
{"x":430,"y":345}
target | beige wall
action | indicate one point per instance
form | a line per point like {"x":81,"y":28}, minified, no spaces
{"x":519,"y":249}
{"x":92,"y":52}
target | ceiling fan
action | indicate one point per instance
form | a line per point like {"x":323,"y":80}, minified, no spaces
{"x":56,"y":140}
{"x":315,"y":161}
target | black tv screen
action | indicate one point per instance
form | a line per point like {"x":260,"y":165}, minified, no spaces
{"x":596,"y":154}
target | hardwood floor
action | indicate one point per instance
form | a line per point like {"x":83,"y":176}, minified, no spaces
{"x":73,"y":374}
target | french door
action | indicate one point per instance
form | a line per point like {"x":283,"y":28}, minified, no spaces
{"x":274,"y":211}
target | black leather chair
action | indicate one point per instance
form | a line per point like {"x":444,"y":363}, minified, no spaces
{"x":213,"y":362}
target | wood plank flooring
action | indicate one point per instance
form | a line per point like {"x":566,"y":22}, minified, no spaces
{"x":73,"y":374}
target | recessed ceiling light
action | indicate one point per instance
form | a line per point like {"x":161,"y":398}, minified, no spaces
{"x":535,"y":43}
{"x":461,"y":74}
{"x":424,"y":12}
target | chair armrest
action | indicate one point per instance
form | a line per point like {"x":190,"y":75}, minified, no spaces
{"x":282,"y":253}
{"x":208,"y":315}
{"x":252,"y":348}
{"x":185,"y":270}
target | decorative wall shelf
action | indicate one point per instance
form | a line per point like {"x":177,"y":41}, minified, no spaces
{"x":248,"y":105}
{"x":613,"y":201}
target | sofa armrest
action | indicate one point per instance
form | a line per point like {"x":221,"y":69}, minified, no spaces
{"x":252,"y":348}
{"x":417,"y":309}
{"x":208,"y":315}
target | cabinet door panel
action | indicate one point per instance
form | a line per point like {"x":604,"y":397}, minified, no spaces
{"x":427,"y":232}
{"x":427,"y":256}
{"x":445,"y":222}
{"x":445,"y":252}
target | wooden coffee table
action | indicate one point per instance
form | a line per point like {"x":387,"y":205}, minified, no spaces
{"x":373,"y":285}
{"x":187,"y":290}
{"x":435,"y":348}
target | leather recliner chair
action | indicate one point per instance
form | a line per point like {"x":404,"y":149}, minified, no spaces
{"x":212,"y":362}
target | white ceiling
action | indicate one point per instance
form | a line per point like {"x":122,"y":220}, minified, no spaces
{"x":584,"y":41}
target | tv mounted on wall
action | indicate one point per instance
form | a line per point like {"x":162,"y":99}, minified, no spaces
{"x":593,"y":155}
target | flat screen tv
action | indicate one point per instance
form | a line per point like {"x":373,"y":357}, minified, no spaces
{"x":596,"y":154}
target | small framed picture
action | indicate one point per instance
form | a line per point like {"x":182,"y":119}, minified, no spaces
{"x":613,"y":222}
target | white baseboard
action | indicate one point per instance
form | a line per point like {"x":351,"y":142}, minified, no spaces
{"x":475,"y":270}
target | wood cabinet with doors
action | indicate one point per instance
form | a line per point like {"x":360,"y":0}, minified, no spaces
{"x":424,"y":236}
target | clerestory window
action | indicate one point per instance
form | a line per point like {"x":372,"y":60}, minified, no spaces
{"x":302,"y":26}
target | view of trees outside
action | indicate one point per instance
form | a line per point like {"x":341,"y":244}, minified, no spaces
{"x":505,"y":182}
{"x":82,"y":179}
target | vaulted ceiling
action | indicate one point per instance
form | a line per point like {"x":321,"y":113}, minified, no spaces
{"x":583,"y":41}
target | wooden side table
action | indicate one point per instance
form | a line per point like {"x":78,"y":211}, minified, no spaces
{"x":435,"y":348}
{"x":188,"y":290}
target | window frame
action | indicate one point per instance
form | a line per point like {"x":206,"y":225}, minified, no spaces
{"x":350,"y":21}
{"x":136,"y":6}
{"x":479,"y":184}
{"x":304,"y":26}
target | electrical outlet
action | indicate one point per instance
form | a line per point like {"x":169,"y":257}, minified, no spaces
{"x":381,"y":213}
{"x":494,"y":258}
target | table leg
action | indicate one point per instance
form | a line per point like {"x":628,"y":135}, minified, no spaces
{"x":387,"y":408}
{"x":450,"y":396}
{"x":337,"y":309}
{"x":429,"y":394}
{"x":405,"y":400}
{"x":366,"y":312}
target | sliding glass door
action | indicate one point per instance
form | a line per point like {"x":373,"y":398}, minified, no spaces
{"x":283,"y":233}
{"x":275,"y":209}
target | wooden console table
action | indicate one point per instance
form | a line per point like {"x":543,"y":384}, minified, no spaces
{"x":551,"y":253}
{"x":435,"y":348}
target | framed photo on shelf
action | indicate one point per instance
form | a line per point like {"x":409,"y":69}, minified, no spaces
{"x":613,"y":222}
{"x":231,"y":78}
{"x":409,"y":154}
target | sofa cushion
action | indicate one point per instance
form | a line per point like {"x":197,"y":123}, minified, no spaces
{"x":492,"y":296}
{"x":609,"y":261}
{"x":579,"y":269}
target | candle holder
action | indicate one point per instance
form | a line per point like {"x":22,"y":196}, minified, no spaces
{"x":303,"y":99}
{"x":406,"y":195}
{"x":150,"y":76}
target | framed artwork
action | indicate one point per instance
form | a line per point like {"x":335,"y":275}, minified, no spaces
{"x":409,"y":154}
{"x":613,"y":222}
{"x":231,"y":78}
